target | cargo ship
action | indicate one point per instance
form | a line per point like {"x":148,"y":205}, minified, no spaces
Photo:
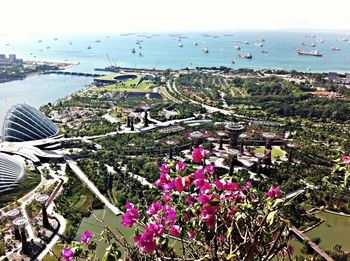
{"x":245,"y":55}
{"x":311,"y":53}
{"x":335,"y":49}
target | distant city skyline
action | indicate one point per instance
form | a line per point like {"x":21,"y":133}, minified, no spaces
{"x":67,"y":16}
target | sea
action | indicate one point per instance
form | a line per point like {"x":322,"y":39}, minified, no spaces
{"x":162,"y":50}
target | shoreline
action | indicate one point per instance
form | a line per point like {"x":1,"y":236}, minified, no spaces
{"x":62,"y":65}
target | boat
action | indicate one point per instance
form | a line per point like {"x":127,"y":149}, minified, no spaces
{"x":55,"y":39}
{"x":70,"y":43}
{"x":236,"y":47}
{"x":180,"y":44}
{"x":47,"y":47}
{"x":98,"y":41}
{"x":133,"y":50}
{"x":233,"y":62}
{"x":140,"y":54}
{"x":205,"y":50}
{"x":195,"y":43}
{"x":313,"y":45}
{"x":264,"y":52}
{"x":246,"y":42}
{"x":335,"y":49}
{"x":259,"y":44}
{"x":245,"y":55}
{"x":311,"y":53}
{"x":89,"y":47}
{"x":40,"y":41}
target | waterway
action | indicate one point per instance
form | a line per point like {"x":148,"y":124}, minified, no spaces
{"x":334,"y":230}
{"x":163,"y":51}
{"x":93,"y":224}
{"x":38,"y":90}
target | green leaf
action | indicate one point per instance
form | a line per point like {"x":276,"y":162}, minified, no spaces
{"x":346,"y":178}
{"x":111,"y":254}
{"x":214,"y":202}
{"x":228,"y":233}
{"x":276,"y":202}
{"x":230,"y":256}
{"x":270,"y":217}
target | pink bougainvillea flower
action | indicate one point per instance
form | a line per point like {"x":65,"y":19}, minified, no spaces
{"x":345,"y":159}
{"x":166,"y":198}
{"x":274,"y":192}
{"x":203,"y":185}
{"x":198,"y":155}
{"x":210,"y":220}
{"x":190,"y":200}
{"x":169,"y":187}
{"x":154,"y":208}
{"x":165,"y":169}
{"x":191,"y":234}
{"x":131,"y":215}
{"x":180,"y":166}
{"x":85,"y":238}
{"x":231,"y":186}
{"x":210,"y":169}
{"x":174,"y":230}
{"x":146,"y":241}
{"x":156,"y":229}
{"x":67,"y":254}
{"x":182,"y":183}
{"x":219,"y":184}
{"x":163,"y":180}
{"x":205,"y":199}
{"x":170,"y":214}
{"x":209,"y":210}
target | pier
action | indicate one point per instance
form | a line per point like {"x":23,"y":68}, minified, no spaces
{"x":308,"y":241}
{"x":75,"y":73}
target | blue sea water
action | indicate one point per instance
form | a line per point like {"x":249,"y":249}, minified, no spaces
{"x":162,"y":51}
{"x":159,"y":51}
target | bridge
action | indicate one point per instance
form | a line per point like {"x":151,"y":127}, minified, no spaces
{"x":73,"y":165}
{"x":75,"y":73}
{"x":314,"y":246}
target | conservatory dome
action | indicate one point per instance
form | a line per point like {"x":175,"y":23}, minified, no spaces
{"x":25,"y":123}
{"x":11,"y":173}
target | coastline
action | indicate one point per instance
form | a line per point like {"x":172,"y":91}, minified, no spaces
{"x":61,"y":65}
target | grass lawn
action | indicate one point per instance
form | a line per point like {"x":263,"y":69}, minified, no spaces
{"x":57,"y":250}
{"x":275,"y":152}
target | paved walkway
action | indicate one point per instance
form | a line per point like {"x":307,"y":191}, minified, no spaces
{"x":73,"y":165}
{"x":314,"y":246}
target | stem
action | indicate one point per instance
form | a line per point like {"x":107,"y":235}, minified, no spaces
{"x":275,"y":243}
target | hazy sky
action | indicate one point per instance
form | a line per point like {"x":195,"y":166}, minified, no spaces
{"x":163,"y":15}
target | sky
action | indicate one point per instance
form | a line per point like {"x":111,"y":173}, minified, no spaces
{"x":73,"y":16}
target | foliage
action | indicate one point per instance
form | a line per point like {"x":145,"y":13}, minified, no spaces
{"x":209,"y":219}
